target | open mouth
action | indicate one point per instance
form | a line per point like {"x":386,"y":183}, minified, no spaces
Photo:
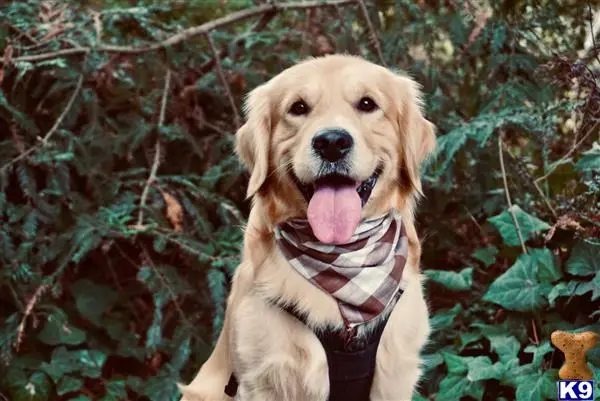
{"x":335,"y":203}
{"x":364,"y":189}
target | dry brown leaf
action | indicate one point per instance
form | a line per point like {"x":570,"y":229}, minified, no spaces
{"x":238,"y":81}
{"x":564,"y":222}
{"x":8,"y":53}
{"x":174,"y":211}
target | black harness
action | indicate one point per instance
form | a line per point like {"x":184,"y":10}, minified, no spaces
{"x":351,"y":360}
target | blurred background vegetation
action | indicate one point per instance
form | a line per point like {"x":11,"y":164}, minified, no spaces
{"x":121,"y":202}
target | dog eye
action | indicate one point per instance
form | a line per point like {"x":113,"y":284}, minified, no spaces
{"x":366,"y":104}
{"x":299,"y":108}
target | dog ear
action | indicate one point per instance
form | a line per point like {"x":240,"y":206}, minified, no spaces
{"x":417,"y":134}
{"x":253,"y":138}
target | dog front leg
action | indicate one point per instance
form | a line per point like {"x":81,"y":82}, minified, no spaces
{"x":209,"y":384}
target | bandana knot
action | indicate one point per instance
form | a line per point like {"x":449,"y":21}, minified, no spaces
{"x":363,"y":275}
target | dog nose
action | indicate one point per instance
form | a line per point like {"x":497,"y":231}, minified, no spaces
{"x":332,"y":144}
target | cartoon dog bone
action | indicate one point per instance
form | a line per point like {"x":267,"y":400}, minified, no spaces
{"x":574,"y":346}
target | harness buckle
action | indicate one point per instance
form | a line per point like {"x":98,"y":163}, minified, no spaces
{"x":348,"y":336}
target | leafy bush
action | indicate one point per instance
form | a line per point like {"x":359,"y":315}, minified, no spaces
{"x":122,"y":202}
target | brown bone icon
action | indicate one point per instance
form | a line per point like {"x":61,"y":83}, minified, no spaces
{"x":575,"y":346}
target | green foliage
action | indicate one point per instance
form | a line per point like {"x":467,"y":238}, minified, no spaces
{"x":520,"y":288}
{"x":460,"y":281}
{"x":527,"y":225}
{"x":58,"y":330}
{"x":500,"y":288}
{"x":105,"y":296}
{"x":585,"y":259}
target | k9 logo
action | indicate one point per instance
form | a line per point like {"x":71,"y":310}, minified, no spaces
{"x":575,"y":390}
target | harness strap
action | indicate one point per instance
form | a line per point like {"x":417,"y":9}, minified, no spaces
{"x":351,"y":360}
{"x":232,"y":386}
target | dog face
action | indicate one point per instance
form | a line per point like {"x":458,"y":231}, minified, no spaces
{"x":334,"y":139}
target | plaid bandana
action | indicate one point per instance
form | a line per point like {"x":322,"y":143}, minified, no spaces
{"x":363,"y":275}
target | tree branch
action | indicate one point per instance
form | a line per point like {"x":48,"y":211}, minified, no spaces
{"x":190,"y":32}
{"x":238,"y":41}
{"x":374,"y":37}
{"x":508,"y":200}
{"x":33,"y":301}
{"x":157,"y":147}
{"x":44,"y":141}
{"x":569,"y":153}
{"x":223,"y":78}
{"x":532,"y":181}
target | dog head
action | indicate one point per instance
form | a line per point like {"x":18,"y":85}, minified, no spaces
{"x":334,"y":139}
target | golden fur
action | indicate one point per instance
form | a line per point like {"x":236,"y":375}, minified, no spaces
{"x":274,"y":356}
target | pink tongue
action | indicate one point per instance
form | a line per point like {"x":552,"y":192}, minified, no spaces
{"x":334,"y":213}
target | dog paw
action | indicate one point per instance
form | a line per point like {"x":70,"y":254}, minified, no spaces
{"x":196,"y":393}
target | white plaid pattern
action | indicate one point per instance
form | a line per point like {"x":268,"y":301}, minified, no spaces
{"x":363,"y":275}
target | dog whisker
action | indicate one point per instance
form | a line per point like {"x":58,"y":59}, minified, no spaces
{"x":282,"y":168}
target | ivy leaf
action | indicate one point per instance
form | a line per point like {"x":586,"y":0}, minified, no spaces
{"x":538,"y":386}
{"x":57,"y":330}
{"x":512,"y":325}
{"x":481,"y":368}
{"x":432,"y":361}
{"x":24,"y":387}
{"x":135,"y":383}
{"x":444,"y":318}
{"x":518,"y":288}
{"x":547,"y":269}
{"x":36,"y":388}
{"x":454,"y":387}
{"x":453,"y":384}
{"x":539,"y":351}
{"x":593,"y":356}
{"x":68,"y":384}
{"x":529,"y":225}
{"x":115,"y":391}
{"x":584,"y":259}
{"x":460,"y":281}
{"x":590,"y":159}
{"x":92,"y":300}
{"x":456,"y":364}
{"x":468,"y":338}
{"x":563,"y":289}
{"x":87,"y":363}
{"x":487,"y":255}
{"x":593,"y":286}
{"x":506,"y":347}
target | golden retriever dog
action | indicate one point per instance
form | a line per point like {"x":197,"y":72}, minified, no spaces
{"x":332,"y":141}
